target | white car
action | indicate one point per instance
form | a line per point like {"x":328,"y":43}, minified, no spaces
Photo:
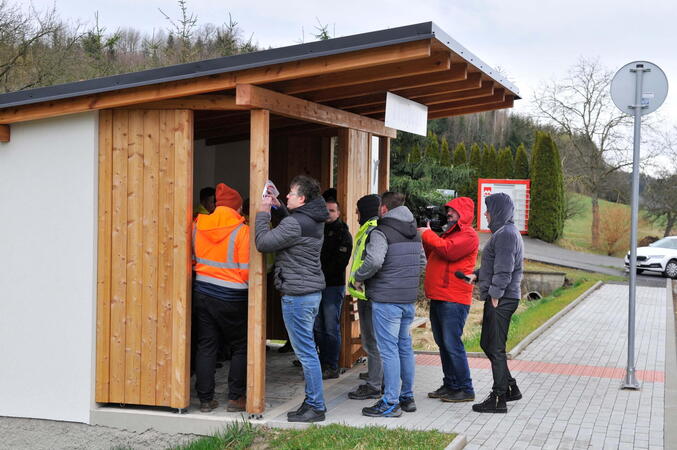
{"x":661,"y":256}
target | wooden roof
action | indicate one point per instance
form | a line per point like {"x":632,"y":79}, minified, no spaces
{"x":420,"y":62}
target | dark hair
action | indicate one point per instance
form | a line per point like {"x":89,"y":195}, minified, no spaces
{"x":306,"y":186}
{"x":392,"y":199}
{"x":332,"y":200}
{"x":207,"y":192}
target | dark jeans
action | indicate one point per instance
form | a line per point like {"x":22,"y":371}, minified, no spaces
{"x":447,"y":320}
{"x":216,"y":319}
{"x":327,"y":326}
{"x":495,"y":324}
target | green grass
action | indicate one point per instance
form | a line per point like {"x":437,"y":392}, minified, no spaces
{"x":577,"y":231}
{"x":372,"y":437}
{"x":243,"y":435}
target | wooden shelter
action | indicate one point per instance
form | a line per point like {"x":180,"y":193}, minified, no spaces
{"x":290,"y":104}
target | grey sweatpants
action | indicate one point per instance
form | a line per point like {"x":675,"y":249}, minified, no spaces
{"x":374,"y":364}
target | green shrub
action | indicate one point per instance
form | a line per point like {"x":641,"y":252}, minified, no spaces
{"x":521,"y":163}
{"x":505,"y":166}
{"x":546,"y":217}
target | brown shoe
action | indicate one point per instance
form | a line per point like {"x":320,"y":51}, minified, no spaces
{"x":208,"y":406}
{"x":237,"y":405}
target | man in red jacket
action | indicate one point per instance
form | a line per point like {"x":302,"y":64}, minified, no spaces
{"x":450,"y":297}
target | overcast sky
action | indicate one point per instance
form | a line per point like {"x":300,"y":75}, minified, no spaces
{"x":531,"y":41}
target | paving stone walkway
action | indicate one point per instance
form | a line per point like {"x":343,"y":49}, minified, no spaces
{"x":570,"y":377}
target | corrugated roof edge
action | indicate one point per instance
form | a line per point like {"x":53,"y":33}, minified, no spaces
{"x":363,"y":41}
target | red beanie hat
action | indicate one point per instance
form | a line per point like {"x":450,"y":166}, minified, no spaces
{"x":227,"y":196}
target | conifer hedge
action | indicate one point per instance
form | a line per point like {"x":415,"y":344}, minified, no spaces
{"x":521,"y":163}
{"x":505,"y":166}
{"x":546,"y":216}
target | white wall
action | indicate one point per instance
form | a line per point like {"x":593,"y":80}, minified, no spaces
{"x":48,"y":203}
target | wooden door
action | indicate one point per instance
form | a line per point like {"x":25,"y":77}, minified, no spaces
{"x":144,"y":268}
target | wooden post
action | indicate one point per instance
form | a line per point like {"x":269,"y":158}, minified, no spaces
{"x":383,"y":164}
{"x":354,"y":165}
{"x":256,"y":335}
{"x":4,"y":133}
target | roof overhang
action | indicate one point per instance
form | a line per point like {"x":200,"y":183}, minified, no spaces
{"x":353,"y":73}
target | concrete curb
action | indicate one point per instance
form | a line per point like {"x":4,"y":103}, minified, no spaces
{"x":519,"y":348}
{"x":670,"y":370}
{"x":458,"y":443}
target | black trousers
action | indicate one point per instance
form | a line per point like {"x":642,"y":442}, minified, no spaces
{"x":215,"y":319}
{"x":495,"y":325}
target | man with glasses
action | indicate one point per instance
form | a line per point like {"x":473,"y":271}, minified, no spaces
{"x":297,"y":241}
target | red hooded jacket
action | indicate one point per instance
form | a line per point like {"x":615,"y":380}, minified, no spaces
{"x":455,"y":250}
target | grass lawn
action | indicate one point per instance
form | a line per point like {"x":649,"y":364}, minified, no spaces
{"x":577,"y":231}
{"x":244,"y":435}
{"x":529,"y":315}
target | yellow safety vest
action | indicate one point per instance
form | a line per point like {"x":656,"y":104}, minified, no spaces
{"x":358,"y":257}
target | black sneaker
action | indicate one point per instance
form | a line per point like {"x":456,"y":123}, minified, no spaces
{"x":493,"y":404}
{"x":363,"y":376}
{"x":408,"y":404}
{"x":513,"y":394}
{"x":457,"y":397}
{"x":296,"y":363}
{"x":209,"y":406}
{"x":382,"y":409}
{"x":307,"y":415}
{"x":286,"y":348}
{"x":443,"y":390}
{"x":364,"y":392}
{"x":330,"y":373}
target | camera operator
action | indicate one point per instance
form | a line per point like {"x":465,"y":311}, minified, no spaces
{"x":450,"y":297}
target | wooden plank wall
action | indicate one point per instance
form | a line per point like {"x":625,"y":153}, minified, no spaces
{"x":143,"y":289}
{"x":353,"y":182}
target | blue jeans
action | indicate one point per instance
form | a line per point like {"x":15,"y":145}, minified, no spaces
{"x":299,"y":312}
{"x":391,"y":326}
{"x":447,"y":320}
{"x":327,"y":326}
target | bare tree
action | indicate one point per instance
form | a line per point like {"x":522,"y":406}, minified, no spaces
{"x":660,"y":194}
{"x":580,"y":106}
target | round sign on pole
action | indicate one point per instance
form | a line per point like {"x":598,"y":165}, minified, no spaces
{"x":654,"y":87}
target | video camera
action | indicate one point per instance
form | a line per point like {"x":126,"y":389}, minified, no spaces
{"x":435,"y":215}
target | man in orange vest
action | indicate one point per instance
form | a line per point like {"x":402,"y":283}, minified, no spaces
{"x":220,"y":290}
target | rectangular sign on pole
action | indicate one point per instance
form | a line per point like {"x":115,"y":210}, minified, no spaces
{"x":405,"y":115}
{"x":518,"y":190}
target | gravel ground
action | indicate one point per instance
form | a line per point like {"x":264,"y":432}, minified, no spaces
{"x":48,"y":434}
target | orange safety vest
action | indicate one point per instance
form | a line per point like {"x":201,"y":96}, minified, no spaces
{"x":221,"y":249}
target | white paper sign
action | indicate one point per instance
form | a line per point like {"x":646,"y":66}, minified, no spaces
{"x":405,"y":115}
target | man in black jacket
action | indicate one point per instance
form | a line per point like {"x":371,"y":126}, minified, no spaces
{"x":336,"y":250}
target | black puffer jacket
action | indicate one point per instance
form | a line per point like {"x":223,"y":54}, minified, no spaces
{"x":336,"y":251}
{"x":298,"y":242}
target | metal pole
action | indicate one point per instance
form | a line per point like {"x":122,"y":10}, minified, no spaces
{"x":630,"y":381}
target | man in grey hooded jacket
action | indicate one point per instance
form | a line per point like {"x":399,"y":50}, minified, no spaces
{"x":391,"y":270}
{"x":297,"y":241}
{"x":499,"y":279}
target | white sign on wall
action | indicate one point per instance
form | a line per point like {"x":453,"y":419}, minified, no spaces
{"x":405,"y":115}
{"x":518,"y":190}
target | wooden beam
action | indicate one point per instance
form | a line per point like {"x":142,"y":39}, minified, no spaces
{"x":383,"y":164}
{"x":256,"y":334}
{"x":4,"y":133}
{"x":296,"y":108}
{"x":507,"y":103}
{"x":474,"y":81}
{"x":439,"y":61}
{"x":327,"y":174}
{"x":457,"y":72}
{"x":499,"y":96}
{"x":194,"y":86}
{"x":486,"y":90}
{"x":200,"y":102}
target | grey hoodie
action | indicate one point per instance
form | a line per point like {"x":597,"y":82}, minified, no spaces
{"x":378,"y":254}
{"x":298,"y":243}
{"x":501,"y":271}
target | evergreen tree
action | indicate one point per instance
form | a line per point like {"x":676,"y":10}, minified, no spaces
{"x":521,"y":163}
{"x":460,"y":156}
{"x":475,"y":157}
{"x":488,"y":164}
{"x":445,"y":154}
{"x":415,"y":154}
{"x":546,"y":217}
{"x":432,"y":148}
{"x":505,"y":166}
